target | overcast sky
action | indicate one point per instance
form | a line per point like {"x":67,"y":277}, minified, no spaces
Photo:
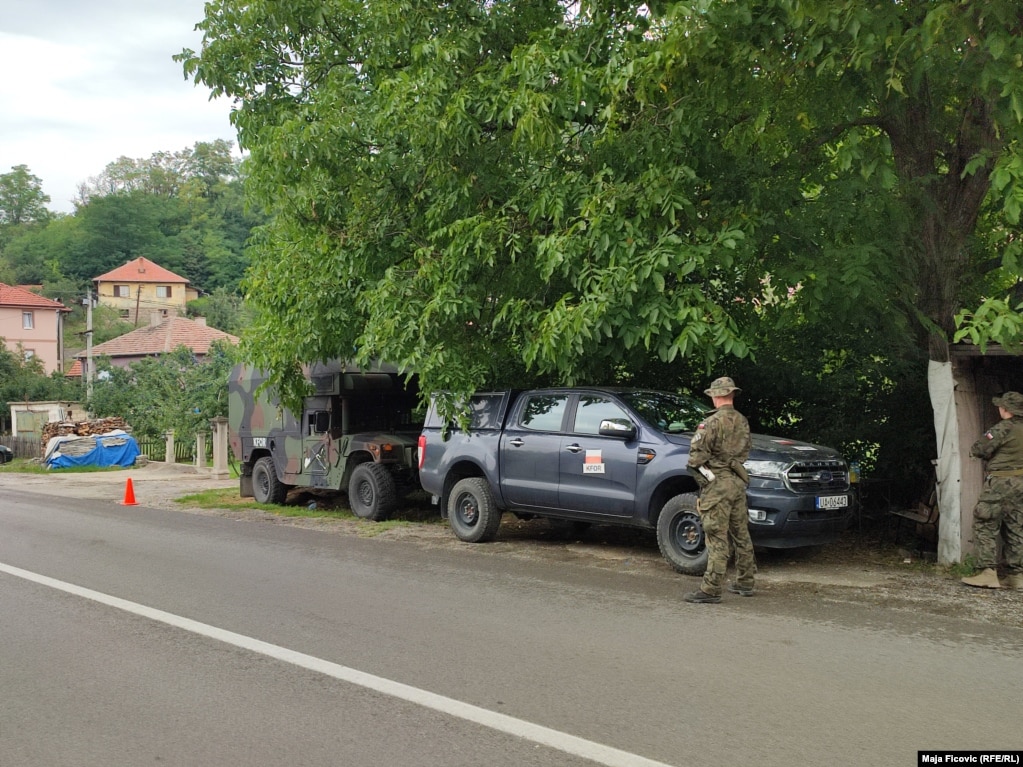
{"x":88,"y":81}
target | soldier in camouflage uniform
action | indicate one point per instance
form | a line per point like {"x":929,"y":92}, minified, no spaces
{"x":716,"y":456}
{"x":999,"y":510}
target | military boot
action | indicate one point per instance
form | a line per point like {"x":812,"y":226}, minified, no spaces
{"x":985,"y":579}
{"x":1014,"y":581}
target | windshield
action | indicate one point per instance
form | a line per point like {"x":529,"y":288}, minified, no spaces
{"x":672,"y":413}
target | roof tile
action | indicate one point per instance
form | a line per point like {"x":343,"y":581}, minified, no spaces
{"x":141,"y":270}
{"x":162,"y":339}
{"x":14,"y":296}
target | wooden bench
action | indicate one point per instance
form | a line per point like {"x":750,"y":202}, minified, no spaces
{"x":924,"y":514}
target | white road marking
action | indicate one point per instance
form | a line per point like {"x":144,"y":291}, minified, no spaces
{"x":570,"y":744}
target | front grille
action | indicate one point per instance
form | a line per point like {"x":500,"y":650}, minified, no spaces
{"x":818,"y":477}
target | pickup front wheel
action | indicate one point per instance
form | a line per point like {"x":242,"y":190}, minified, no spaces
{"x":472,"y":512}
{"x":680,"y":535}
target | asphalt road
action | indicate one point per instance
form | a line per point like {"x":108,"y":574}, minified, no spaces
{"x":133,"y":635}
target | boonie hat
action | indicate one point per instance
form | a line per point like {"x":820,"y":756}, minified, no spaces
{"x":723,"y":386}
{"x":1011,"y":401}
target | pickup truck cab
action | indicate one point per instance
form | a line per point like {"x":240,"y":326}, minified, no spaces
{"x":618,"y":456}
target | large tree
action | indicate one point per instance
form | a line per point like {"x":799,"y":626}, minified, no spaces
{"x":572,"y":185}
{"x":204,"y":167}
{"x":22,"y":200}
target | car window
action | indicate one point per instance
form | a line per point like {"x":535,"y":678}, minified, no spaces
{"x":544,"y":412}
{"x":592,"y":410}
{"x":672,"y":413}
{"x":485,"y":411}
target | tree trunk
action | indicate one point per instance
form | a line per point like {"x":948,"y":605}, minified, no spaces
{"x":944,"y":203}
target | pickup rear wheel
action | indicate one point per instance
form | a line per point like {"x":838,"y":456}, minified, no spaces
{"x":372,"y":493}
{"x":472,"y":511}
{"x":680,"y":535}
{"x":266,"y":488}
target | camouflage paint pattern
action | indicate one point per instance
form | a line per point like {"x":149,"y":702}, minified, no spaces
{"x":258,"y":426}
{"x":721,"y":445}
{"x":998,"y":514}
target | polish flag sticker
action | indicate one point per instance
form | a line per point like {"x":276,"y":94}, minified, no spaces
{"x":593,"y":463}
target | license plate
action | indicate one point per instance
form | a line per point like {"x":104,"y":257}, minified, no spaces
{"x":832,"y":501}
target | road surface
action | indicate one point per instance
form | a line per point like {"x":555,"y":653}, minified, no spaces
{"x":134,"y":635}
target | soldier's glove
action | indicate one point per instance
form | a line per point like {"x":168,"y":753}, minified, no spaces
{"x":701,"y":479}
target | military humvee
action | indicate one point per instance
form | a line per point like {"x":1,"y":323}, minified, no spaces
{"x":357,"y":432}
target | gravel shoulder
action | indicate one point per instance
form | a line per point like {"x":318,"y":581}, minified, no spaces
{"x":865,"y":568}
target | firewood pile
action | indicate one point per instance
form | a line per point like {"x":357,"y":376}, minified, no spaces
{"x":82,"y":428}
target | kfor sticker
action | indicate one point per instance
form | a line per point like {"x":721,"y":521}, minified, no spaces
{"x":593,"y":463}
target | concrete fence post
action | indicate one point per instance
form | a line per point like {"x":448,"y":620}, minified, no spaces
{"x":200,"y":450}
{"x":220,"y":469}
{"x":169,"y":453}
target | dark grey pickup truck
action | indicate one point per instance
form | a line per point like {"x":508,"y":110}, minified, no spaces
{"x":618,"y":456}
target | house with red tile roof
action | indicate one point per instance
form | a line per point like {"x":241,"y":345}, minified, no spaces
{"x":141,"y":287}
{"x":32,"y":326}
{"x":161,"y":336}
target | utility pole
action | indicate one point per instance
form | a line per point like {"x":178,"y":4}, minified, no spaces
{"x":88,"y":346}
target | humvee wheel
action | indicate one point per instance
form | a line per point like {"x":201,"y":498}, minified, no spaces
{"x":372,"y":493}
{"x":266,"y":488}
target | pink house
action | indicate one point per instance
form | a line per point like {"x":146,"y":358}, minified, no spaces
{"x":33,"y":326}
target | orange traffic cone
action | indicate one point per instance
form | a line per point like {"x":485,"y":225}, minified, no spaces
{"x":129,"y":495}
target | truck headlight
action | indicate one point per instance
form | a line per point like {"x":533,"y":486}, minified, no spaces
{"x":769,"y":469}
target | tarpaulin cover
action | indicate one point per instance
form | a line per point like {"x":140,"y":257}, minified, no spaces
{"x":941,"y":385}
{"x":115,"y":448}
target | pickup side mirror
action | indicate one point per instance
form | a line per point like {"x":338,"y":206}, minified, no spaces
{"x":622,"y":428}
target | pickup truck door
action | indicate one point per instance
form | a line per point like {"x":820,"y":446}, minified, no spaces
{"x":530,"y":448}
{"x":597,"y":474}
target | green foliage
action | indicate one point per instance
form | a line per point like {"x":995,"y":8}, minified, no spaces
{"x":995,"y":320}
{"x":453,"y":190}
{"x":183,"y":210}
{"x":38,"y":254}
{"x":115,"y":229}
{"x":172,"y":391}
{"x":223,"y":310}
{"x":475,"y":191}
{"x":22,"y":200}
{"x":201,"y":170}
{"x":25,"y":380}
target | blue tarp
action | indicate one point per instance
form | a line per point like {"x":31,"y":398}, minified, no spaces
{"x":116,"y":448}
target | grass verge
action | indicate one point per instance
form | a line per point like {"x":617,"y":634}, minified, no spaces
{"x":29,"y":466}
{"x":229,"y":499}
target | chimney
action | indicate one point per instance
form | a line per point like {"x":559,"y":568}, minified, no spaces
{"x":200,"y":321}
{"x":155,"y":318}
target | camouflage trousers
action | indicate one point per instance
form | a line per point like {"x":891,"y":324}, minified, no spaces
{"x":725,"y":517}
{"x":999,"y":514}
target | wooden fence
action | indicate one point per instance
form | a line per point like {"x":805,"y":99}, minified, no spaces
{"x":154,"y":448}
{"x":23,"y":447}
